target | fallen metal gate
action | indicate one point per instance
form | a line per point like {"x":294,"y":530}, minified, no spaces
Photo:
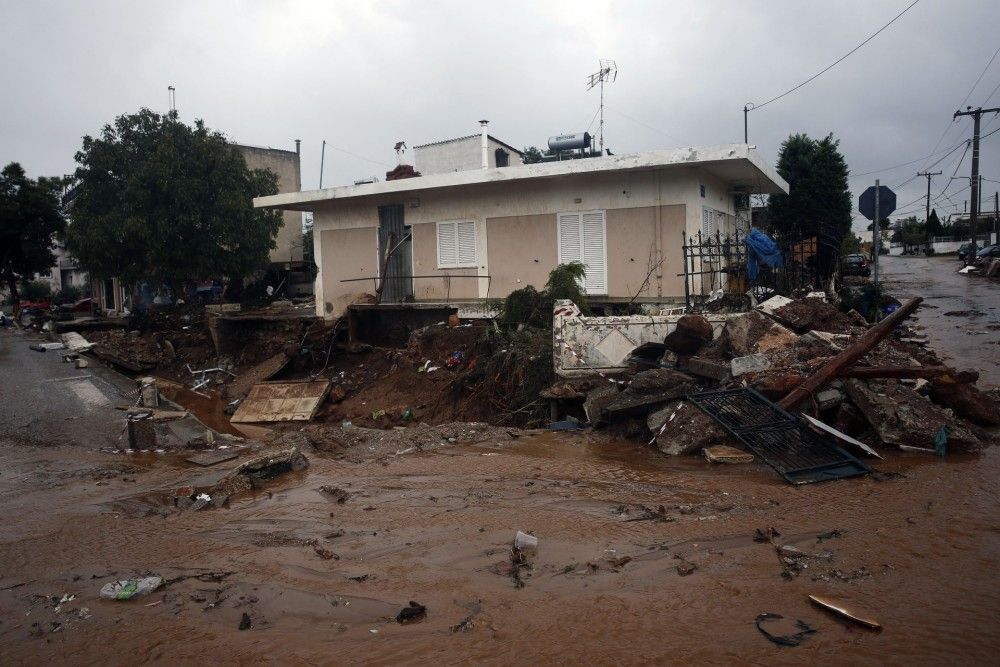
{"x":794,"y":450}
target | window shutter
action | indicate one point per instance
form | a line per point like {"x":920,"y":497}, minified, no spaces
{"x":466,"y":242}
{"x":594,"y":253}
{"x":447,"y":244}
{"x":569,"y":238}
{"x":707,"y":221}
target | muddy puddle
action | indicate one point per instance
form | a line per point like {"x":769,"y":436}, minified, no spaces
{"x":209,"y":408}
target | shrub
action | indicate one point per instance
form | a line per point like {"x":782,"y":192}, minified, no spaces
{"x":68,"y":294}
{"x":530,"y":307}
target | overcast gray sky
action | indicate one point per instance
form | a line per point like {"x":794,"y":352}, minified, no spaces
{"x":363,"y":75}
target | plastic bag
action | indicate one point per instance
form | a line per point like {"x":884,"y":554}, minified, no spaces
{"x":126,"y":589}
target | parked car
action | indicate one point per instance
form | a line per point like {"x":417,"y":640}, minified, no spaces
{"x":857,"y":265}
{"x":987,"y":253}
{"x":963,"y":250}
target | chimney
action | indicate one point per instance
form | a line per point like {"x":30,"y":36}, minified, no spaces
{"x":486,"y":144}
{"x":298,"y":147}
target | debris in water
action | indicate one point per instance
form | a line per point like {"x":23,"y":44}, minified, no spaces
{"x":525,"y":541}
{"x":415,"y":612}
{"x":338,"y":495}
{"x":726,"y":454}
{"x":793,"y":639}
{"x":245,"y":622}
{"x":823,"y":603}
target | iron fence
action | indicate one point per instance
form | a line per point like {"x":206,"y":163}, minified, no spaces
{"x":716,"y":277}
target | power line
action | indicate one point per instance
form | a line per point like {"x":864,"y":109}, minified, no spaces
{"x":906,"y":164}
{"x":838,"y":61}
{"x":360,"y":157}
{"x":968,"y":95}
{"x":981,"y":75}
{"x":645,"y":125}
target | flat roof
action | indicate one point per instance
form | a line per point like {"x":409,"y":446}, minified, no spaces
{"x":739,"y":164}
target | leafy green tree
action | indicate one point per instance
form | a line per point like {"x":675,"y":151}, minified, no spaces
{"x":164,"y":201}
{"x":819,"y":199}
{"x":30,"y":218}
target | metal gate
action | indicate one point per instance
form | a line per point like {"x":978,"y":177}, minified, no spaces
{"x":794,"y":450}
{"x":394,"y":237}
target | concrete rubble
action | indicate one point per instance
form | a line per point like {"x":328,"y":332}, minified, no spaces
{"x":774,"y":349}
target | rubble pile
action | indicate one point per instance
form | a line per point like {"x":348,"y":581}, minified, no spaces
{"x":873,"y":385}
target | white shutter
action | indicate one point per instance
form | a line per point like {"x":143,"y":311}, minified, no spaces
{"x":595,"y":253}
{"x":707,"y":222}
{"x":466,"y":243}
{"x":570,"y":249}
{"x":583,"y":238}
{"x":447,"y":244}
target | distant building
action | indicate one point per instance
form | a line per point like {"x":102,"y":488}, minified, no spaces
{"x":286,"y":165}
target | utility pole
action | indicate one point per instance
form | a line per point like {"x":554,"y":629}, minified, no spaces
{"x":977,"y":115}
{"x":876,"y":242}
{"x":928,"y":174}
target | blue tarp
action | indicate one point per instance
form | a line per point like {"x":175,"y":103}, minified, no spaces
{"x":761,"y":249}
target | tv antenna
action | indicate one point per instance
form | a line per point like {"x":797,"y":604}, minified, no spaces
{"x":608,"y":72}
{"x":172,"y":99}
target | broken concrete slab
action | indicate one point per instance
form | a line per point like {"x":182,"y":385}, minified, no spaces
{"x":251,"y":473}
{"x":597,"y":400}
{"x":828,"y":399}
{"x":687,"y":430}
{"x":751,"y":362}
{"x":754,"y":332}
{"x":901,"y":416}
{"x":774,"y":303}
{"x":712,"y":369}
{"x":967,"y":401}
{"x":74,"y":342}
{"x":657,"y":380}
{"x":834,"y":340}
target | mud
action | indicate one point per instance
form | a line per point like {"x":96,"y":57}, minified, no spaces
{"x":437,"y":527}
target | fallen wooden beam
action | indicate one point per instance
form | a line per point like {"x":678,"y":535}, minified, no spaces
{"x":832,"y":368}
{"x":940,"y":373}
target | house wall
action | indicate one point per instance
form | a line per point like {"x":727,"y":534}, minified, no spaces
{"x":286,"y":165}
{"x":458,"y":155}
{"x":646,"y":212}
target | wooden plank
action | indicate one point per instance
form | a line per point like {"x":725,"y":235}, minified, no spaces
{"x":282,"y":401}
{"x":834,"y":366}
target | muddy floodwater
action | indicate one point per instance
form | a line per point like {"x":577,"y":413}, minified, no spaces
{"x":960,"y":313}
{"x":641,"y":558}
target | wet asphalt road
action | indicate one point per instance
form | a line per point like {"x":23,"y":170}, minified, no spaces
{"x":960,"y":314}
{"x":46,"y":401}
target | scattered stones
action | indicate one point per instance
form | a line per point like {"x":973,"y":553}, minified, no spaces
{"x":413,"y":613}
{"x":692,"y":332}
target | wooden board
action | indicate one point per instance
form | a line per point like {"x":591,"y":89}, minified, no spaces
{"x":282,"y":401}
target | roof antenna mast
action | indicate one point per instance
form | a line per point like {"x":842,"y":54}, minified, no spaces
{"x":608,"y":72}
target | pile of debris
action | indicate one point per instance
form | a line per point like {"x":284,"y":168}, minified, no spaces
{"x":866,"y":386}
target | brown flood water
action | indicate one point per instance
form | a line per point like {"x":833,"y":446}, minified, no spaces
{"x":916,"y":551}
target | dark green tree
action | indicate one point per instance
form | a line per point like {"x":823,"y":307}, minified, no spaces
{"x":531,"y":155}
{"x":819,"y":199}
{"x":164,"y":201}
{"x":933,"y":226}
{"x":30,"y":219}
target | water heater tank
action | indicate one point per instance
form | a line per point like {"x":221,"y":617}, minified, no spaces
{"x":569,"y":142}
